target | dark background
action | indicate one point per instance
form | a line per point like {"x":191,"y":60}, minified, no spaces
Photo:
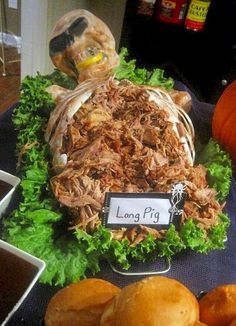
{"x":205,"y":61}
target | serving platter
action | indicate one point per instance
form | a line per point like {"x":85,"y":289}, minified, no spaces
{"x":74,"y":250}
{"x":197,"y":271}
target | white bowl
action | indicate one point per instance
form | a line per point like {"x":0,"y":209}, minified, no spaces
{"x":11,"y":180}
{"x":18,"y":273}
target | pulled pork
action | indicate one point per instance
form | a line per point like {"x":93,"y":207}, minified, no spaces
{"x":121,"y":139}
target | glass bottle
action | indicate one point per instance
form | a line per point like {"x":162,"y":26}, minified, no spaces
{"x":197,"y":14}
{"x":171,"y":11}
{"x":146,"y":7}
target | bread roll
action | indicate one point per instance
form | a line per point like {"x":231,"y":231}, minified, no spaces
{"x":81,"y":303}
{"x":153,"y":301}
{"x":218,"y":307}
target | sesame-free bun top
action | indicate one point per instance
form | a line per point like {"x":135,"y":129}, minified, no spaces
{"x":153,"y":301}
{"x":218,"y":306}
{"x":80,"y":303}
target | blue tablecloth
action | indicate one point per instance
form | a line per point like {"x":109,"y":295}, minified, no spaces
{"x":198,"y":272}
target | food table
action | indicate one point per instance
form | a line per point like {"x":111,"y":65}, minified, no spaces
{"x":199,"y":272}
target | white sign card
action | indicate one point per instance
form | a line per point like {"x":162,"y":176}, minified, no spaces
{"x":157,"y":210}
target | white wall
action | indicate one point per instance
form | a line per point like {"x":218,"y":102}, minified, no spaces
{"x":38,"y":18}
{"x":33,"y":36}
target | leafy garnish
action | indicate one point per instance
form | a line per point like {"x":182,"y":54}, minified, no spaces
{"x":59,"y":78}
{"x":219,"y":167}
{"x":171,"y":245}
{"x":127,"y":70}
{"x":36,"y":226}
{"x":145,"y":249}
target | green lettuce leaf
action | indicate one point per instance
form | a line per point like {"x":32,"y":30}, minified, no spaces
{"x":194,"y":237}
{"x":145,"y":250}
{"x":119,"y":253}
{"x":219,"y":167}
{"x":128,"y":70}
{"x":217,"y":235}
{"x":171,"y":245}
{"x":59,"y":78}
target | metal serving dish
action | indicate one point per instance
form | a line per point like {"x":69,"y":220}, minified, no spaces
{"x":19,"y":271}
{"x":8,"y":184}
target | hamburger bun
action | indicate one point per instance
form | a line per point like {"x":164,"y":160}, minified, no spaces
{"x":80,"y":303}
{"x":218,"y":307}
{"x":153,"y":301}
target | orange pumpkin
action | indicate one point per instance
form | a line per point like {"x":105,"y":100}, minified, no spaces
{"x":224,"y":120}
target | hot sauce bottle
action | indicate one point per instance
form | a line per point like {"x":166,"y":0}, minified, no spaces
{"x":196,"y":15}
{"x":171,"y":11}
{"x":146,"y":7}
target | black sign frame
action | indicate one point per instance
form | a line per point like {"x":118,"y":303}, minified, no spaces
{"x":176,"y":198}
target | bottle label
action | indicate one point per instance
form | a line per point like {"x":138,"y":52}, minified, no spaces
{"x":168,"y":8}
{"x":172,"y":12}
{"x":196,"y":15}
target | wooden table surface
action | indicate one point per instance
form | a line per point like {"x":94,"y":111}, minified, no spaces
{"x":10,"y":84}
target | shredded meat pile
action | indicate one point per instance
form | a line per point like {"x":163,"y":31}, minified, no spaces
{"x":121,"y":140}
